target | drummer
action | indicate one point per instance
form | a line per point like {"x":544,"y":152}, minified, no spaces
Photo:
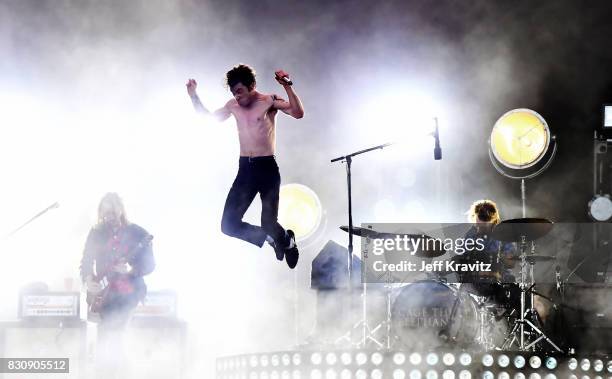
{"x":484,"y":215}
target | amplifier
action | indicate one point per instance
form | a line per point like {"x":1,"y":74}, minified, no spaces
{"x":52,"y":305}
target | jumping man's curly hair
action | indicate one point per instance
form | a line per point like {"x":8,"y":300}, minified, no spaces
{"x":241,"y":74}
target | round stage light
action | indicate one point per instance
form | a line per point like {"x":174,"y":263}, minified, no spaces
{"x":274,"y":375}
{"x":432,"y":359}
{"x":609,"y":366}
{"x":331,"y":359}
{"x":572,"y":364}
{"x":361,"y":358}
{"x":275,"y":360}
{"x":398,"y":373}
{"x":346,"y":374}
{"x":465,"y":359}
{"x":550,"y":376}
{"x":585,"y":377}
{"x":331,"y":374}
{"x":316,"y":374}
{"x":503,"y":375}
{"x":286,"y":360}
{"x":296,"y":359}
{"x":376,"y":374}
{"x":519,"y":361}
{"x":598,"y":365}
{"x":465,"y":374}
{"x":488,"y":375}
{"x":254,"y":361}
{"x":431,"y":374}
{"x":487,"y":360}
{"x":285,"y":375}
{"x":535,"y":375}
{"x":377,"y":358}
{"x":519,"y":375}
{"x":299,"y":209}
{"x":415,"y":374}
{"x":448,"y":359}
{"x":448,"y":374}
{"x":361,"y":374}
{"x":535,"y":362}
{"x":346,"y":358}
{"x":415,"y":359}
{"x":572,"y":376}
{"x":520,"y":138}
{"x":551,"y":363}
{"x":316,"y":359}
{"x":296,"y":374}
{"x":585,"y":364}
{"x":264,"y":361}
{"x":399,"y":358}
{"x":503,"y":360}
{"x":600,"y":208}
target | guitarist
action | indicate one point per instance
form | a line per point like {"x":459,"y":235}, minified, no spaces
{"x":121,"y":253}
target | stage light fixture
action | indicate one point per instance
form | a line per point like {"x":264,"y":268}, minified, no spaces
{"x":448,"y":359}
{"x":316,"y":374}
{"x":299,"y":210}
{"x":535,"y":375}
{"x":346,"y":358}
{"x":503,"y":375}
{"x":264,"y":361}
{"x":609,"y":366}
{"x":316,"y":359}
{"x":431,"y":374}
{"x":585,"y":364}
{"x":519,"y":375}
{"x":572,"y":364}
{"x":361,"y":374}
{"x":465,"y":374}
{"x":415,"y":374}
{"x":503,"y":360}
{"x":274,"y":375}
{"x":550,"y":376}
{"x":296,"y":359}
{"x":520,"y":139}
{"x":448,"y":374}
{"x":432,"y":359}
{"x":488,"y":375}
{"x":535,"y":362}
{"x":331,"y":374}
{"x":399,"y":358}
{"x":345,"y":374}
{"x":519,"y":361}
{"x":275,"y":360}
{"x":254,"y":361}
{"x":286,"y":359}
{"x":572,"y":376}
{"x":398,"y":373}
{"x":585,"y":377}
{"x":598,"y":365}
{"x":551,"y":363}
{"x":465,"y":359}
{"x":600,"y":208}
{"x":377,"y":358}
{"x":285,"y":375}
{"x":487,"y":360}
{"x":331,"y":359}
{"x":415,"y":359}
{"x":361,"y":358}
{"x":376,"y":374}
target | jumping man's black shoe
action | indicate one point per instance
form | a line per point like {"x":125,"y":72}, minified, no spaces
{"x":291,"y":252}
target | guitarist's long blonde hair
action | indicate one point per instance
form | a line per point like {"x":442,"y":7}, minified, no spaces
{"x":113,"y":201}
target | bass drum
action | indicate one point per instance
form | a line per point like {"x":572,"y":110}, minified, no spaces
{"x":430,"y":314}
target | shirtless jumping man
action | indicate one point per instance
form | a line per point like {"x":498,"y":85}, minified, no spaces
{"x":258,"y":172}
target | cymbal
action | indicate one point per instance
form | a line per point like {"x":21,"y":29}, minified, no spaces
{"x":434,"y":252}
{"x":513,"y":230}
{"x":532,"y":259}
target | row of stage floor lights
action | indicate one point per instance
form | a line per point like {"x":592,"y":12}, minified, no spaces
{"x":412,"y":365}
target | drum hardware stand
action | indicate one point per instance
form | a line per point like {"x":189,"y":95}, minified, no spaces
{"x":523,"y":322}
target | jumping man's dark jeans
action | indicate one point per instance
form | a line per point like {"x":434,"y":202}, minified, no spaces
{"x":255,"y":175}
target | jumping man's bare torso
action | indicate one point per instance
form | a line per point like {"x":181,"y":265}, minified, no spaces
{"x":256,"y":125}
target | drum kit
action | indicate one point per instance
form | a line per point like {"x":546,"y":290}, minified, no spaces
{"x":478,"y":310}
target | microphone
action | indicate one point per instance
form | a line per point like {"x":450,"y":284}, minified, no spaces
{"x":437,"y":148}
{"x":284,"y":79}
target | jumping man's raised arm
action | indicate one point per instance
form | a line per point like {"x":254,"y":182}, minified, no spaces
{"x":220,"y":114}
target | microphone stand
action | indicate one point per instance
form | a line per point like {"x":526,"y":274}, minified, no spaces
{"x":52,"y":206}
{"x":349,"y":160}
